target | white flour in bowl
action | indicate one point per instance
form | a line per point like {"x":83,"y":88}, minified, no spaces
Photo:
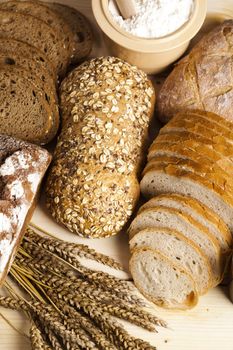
{"x":154,"y":18}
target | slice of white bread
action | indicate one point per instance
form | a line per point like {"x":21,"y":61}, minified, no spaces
{"x":200,"y":151}
{"x":190,"y":228}
{"x":180,"y":250}
{"x":197,"y":211}
{"x":173,"y":179}
{"x":208,"y":170}
{"x":161,"y":281}
{"x":209,"y":122}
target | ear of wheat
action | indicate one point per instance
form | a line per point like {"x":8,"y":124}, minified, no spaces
{"x":71,"y":306}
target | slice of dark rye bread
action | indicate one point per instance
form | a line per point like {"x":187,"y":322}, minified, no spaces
{"x":24,"y":112}
{"x":23,"y":50}
{"x":173,"y":179}
{"x":47,"y":90}
{"x":35,"y":32}
{"x":44,"y":13}
{"x":82,"y":37}
{"x":180,"y":250}
{"x":162,"y":281}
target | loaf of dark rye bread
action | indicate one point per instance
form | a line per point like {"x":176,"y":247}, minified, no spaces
{"x":82,"y":37}
{"x":106,"y":107}
{"x":22,"y":167}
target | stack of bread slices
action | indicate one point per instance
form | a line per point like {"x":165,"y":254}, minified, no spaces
{"x":38,"y":42}
{"x":181,"y":238}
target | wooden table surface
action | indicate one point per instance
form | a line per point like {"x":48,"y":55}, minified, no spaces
{"x":209,"y":326}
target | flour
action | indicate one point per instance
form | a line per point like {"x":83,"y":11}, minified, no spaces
{"x":154,"y":18}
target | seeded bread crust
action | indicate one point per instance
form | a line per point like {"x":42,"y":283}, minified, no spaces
{"x":35,"y":32}
{"x":82,"y":38}
{"x":143,"y":279}
{"x":22,"y":167}
{"x":102,"y":142}
{"x":187,"y":183}
{"x":192,"y":207}
{"x":35,"y":122}
{"x":180,"y":250}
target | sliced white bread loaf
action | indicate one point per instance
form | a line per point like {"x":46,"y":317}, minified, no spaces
{"x":173,"y":179}
{"x":197,"y":211}
{"x":185,"y":224}
{"x":180,"y":250}
{"x":161,"y":281}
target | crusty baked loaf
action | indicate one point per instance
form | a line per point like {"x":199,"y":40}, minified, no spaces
{"x":81,"y":31}
{"x":180,"y":250}
{"x":106,"y":107}
{"x":35,"y":32}
{"x":161,"y":281}
{"x":22,"y":167}
{"x":203,"y":79}
{"x":35,"y":122}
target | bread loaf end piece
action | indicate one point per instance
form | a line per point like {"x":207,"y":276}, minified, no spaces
{"x":22,"y":167}
{"x":106,"y":106}
{"x":161,"y":281}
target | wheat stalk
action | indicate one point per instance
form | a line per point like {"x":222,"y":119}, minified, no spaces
{"x":73,"y":307}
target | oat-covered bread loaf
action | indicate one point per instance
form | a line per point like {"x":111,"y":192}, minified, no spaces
{"x":106,"y":107}
{"x":203,"y":79}
{"x":22,"y":167}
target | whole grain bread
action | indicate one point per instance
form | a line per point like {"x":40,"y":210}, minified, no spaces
{"x":162,"y":281}
{"x":23,"y":51}
{"x":100,"y":148}
{"x":22,"y":167}
{"x":180,"y":250}
{"x":35,"y":122}
{"x":80,"y":28}
{"x":30,"y":29}
{"x":197,"y":211}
